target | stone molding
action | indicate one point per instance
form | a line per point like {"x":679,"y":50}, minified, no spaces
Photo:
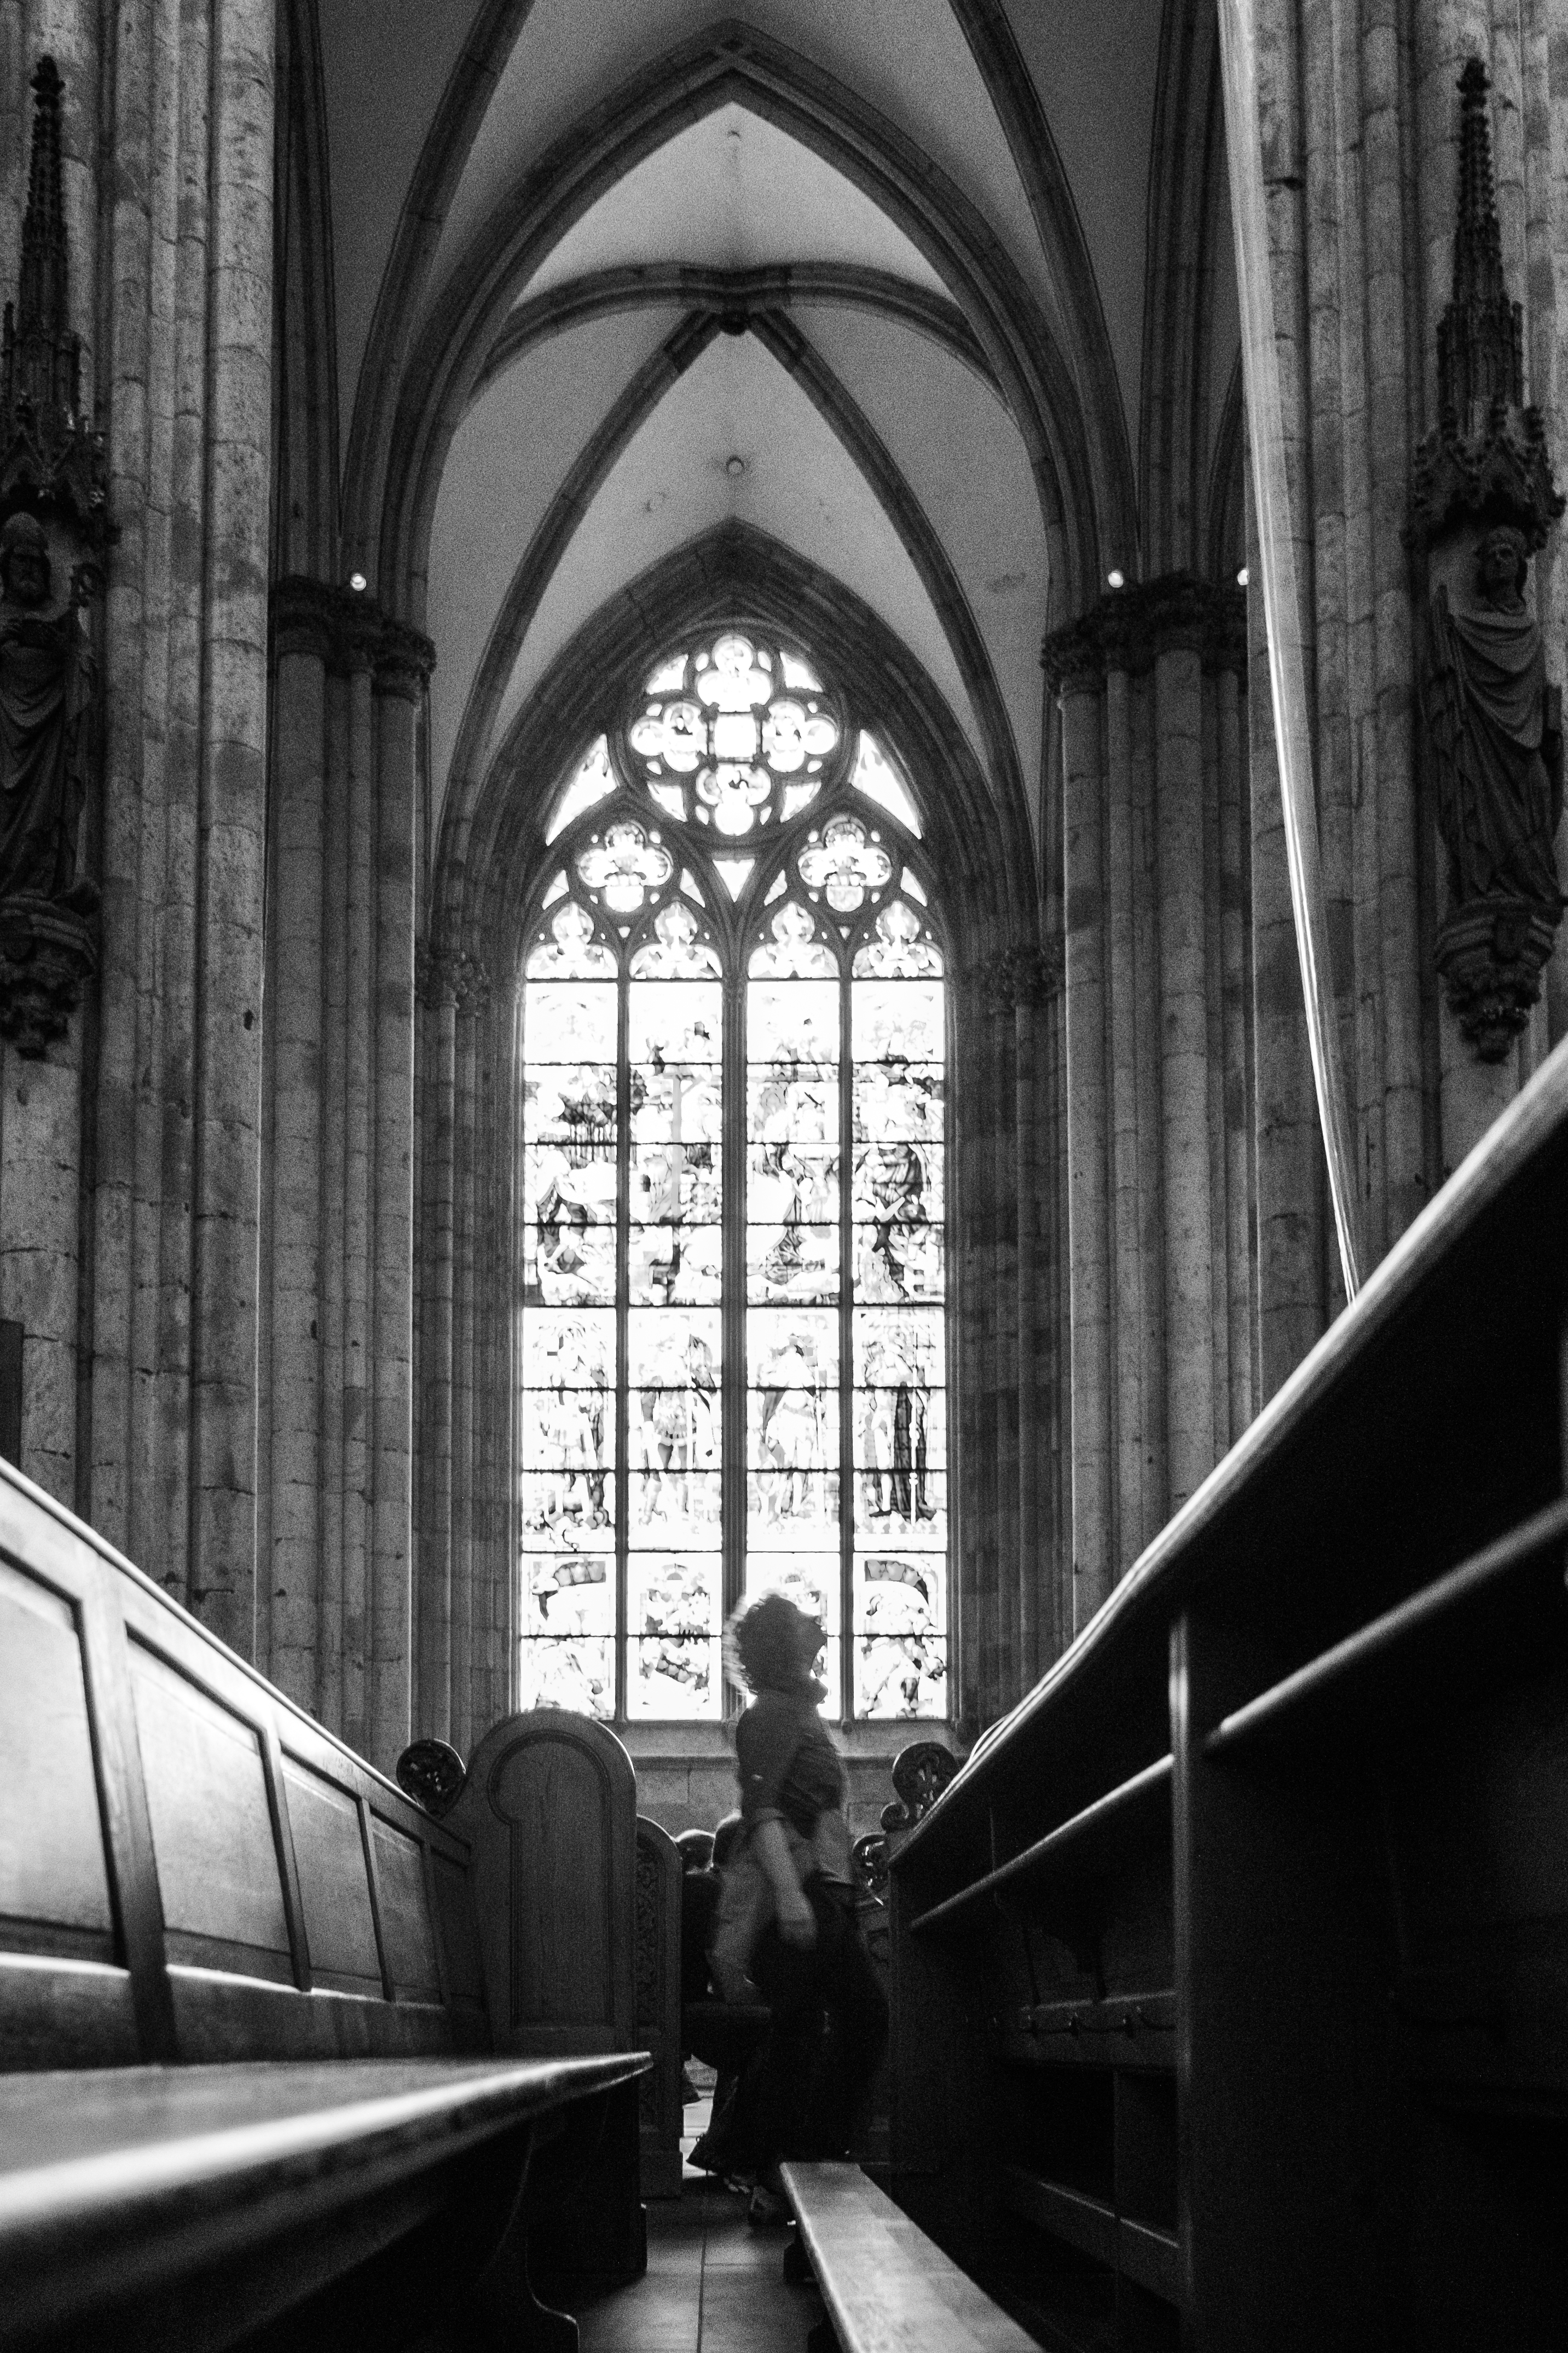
{"x":1491,"y":955}
{"x":1130,"y":628}
{"x":47,"y":955}
{"x":346,"y":629}
{"x":450,"y":977}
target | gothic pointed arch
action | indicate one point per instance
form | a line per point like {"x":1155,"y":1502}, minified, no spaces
{"x":492,"y":821}
{"x":554,"y":836}
{"x":733,"y":296}
{"x":730,"y":64}
{"x":783,"y":339}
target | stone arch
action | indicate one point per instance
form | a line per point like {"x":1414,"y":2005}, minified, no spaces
{"x":735,"y":295}
{"x":491,"y":847}
{"x":492,"y":828}
{"x":1083,"y":509}
{"x":780,"y":337}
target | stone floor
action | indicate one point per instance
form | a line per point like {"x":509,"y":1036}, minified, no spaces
{"x":713,"y":2285}
{"x":714,"y":2281}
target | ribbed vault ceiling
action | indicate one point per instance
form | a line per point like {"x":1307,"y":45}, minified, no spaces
{"x":857,"y":411}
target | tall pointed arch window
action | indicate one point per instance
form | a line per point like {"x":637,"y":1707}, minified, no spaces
{"x":733,"y":1137}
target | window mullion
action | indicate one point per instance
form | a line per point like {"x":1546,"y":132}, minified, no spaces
{"x":623,"y":1302}
{"x":733,"y":1124}
{"x":845,"y":1350}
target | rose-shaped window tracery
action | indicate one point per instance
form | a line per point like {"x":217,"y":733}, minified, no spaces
{"x":733,"y":735}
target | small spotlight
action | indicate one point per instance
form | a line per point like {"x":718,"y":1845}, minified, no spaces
{"x":358,"y":583}
{"x":1117,"y":579}
{"x":1241,"y":577}
{"x":734,"y":468}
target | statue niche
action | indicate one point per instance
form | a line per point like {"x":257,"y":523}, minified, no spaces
{"x":1495,"y":729}
{"x":45,"y":703}
{"x":54,"y":527}
{"x":1483,"y":500}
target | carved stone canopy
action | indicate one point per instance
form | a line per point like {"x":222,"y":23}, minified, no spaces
{"x":1485,"y":462}
{"x":51,"y":459}
{"x":55,"y":530}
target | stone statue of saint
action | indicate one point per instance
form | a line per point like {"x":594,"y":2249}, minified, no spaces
{"x":1495,"y":732}
{"x":45,"y":695}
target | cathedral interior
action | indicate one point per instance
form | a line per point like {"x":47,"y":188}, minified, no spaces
{"x":779,"y":813}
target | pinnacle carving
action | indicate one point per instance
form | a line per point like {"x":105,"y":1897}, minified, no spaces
{"x":49,"y":459}
{"x":1486,"y":460}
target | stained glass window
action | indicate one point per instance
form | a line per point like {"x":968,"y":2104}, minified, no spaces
{"x":733,"y":1195}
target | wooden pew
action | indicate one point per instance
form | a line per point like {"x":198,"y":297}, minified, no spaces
{"x":245,"y":2045}
{"x":1231,"y":1974}
{"x":578,"y":1903}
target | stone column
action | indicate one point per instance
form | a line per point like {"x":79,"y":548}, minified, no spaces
{"x":293,"y":1455}
{"x":1289,"y":1164}
{"x":399,"y":686}
{"x":40,"y":1207}
{"x":1359,"y":116}
{"x":1088,"y":1164}
{"x":1184,"y":1072}
{"x":1158,"y":1075}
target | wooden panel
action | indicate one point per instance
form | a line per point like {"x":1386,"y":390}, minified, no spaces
{"x":459,"y":1942}
{"x":53,"y":1872}
{"x":212,"y":1825}
{"x":405,"y":1925}
{"x":65,"y":2014}
{"x":334,"y":1890}
{"x":239,"y":2017}
{"x":549,"y":1812}
{"x":656,"y":2006}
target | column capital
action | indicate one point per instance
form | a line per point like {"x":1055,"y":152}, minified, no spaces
{"x":444,"y":976}
{"x":1130,"y":628}
{"x":348,"y":631}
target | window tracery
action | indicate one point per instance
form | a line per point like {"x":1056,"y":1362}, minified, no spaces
{"x":733,"y":1201}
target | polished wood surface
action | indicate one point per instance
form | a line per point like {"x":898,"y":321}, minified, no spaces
{"x":549,"y":1811}
{"x":549,"y":1815}
{"x":203,"y":1898}
{"x":1230,"y":1972}
{"x":656,"y":2006}
{"x":887,"y":2288}
{"x":120,"y":2185}
{"x":191,"y":1867}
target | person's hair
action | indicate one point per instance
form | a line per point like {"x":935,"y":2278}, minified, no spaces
{"x":761,"y":1645}
{"x":696,"y":1849}
{"x":726,"y":1839}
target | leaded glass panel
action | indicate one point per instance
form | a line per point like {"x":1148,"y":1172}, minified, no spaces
{"x":734,"y":1193}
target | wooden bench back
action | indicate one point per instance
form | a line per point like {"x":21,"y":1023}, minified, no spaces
{"x":190,"y":1867}
{"x":578,"y":1899}
{"x":549,"y":1811}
